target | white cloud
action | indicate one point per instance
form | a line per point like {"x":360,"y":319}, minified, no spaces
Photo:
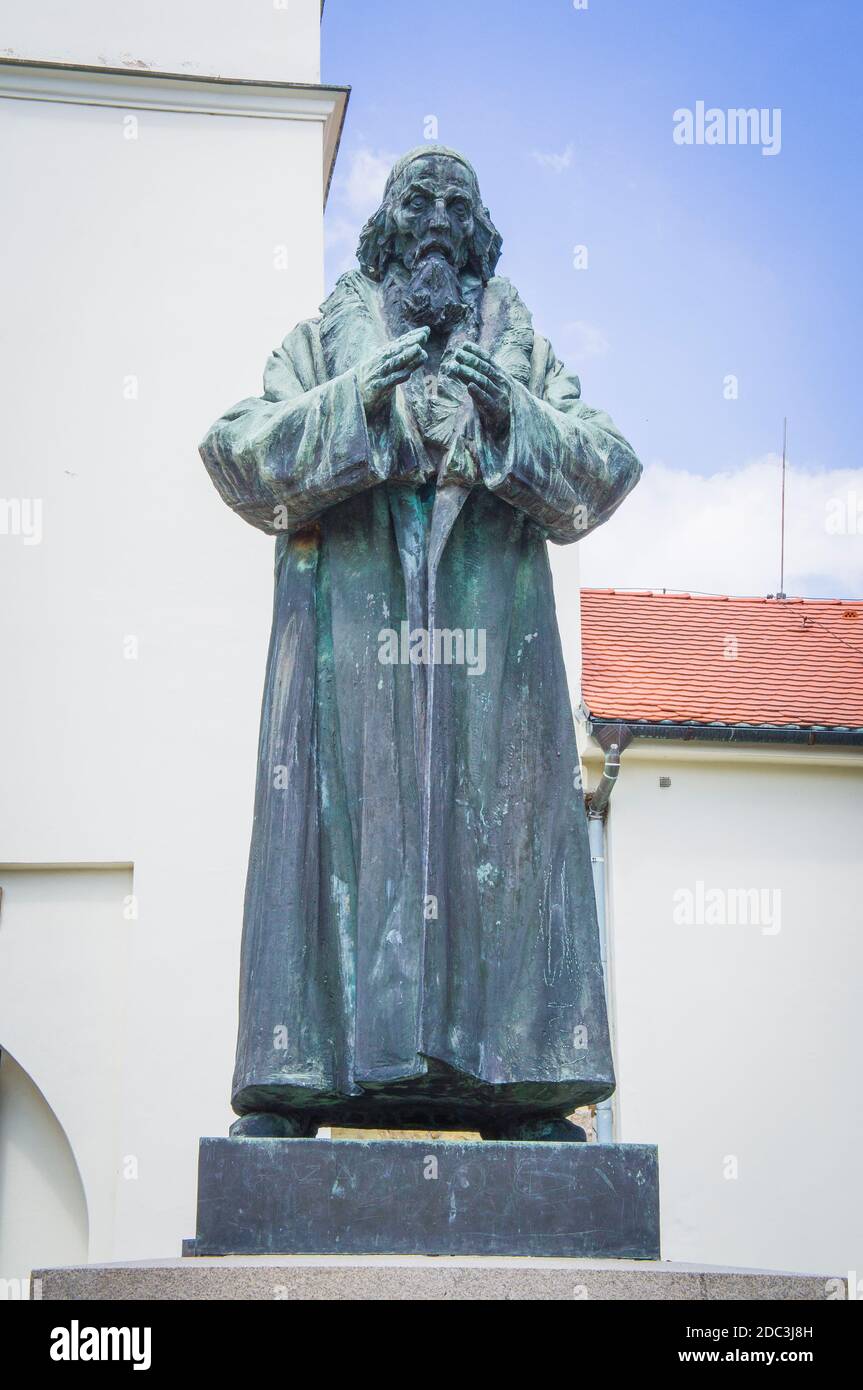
{"x":364,"y":181}
{"x":356,"y":193}
{"x":720,"y":533}
{"x":579,"y":341}
{"x":547,"y":159}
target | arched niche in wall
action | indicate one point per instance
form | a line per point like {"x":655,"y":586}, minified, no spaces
{"x":43,"y":1209}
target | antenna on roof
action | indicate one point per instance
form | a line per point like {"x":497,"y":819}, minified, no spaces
{"x":781,"y":593}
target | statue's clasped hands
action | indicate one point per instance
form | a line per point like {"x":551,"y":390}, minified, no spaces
{"x":472,"y":365}
{"x":380,"y":374}
{"x":486,"y":382}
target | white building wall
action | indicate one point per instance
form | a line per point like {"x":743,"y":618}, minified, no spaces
{"x":738,"y":1045}
{"x":144,"y":289}
{"x":276,"y":41}
{"x":564,"y":560}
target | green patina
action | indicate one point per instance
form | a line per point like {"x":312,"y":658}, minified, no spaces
{"x":419,"y":923}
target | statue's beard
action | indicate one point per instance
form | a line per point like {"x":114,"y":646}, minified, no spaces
{"x":433,"y":295}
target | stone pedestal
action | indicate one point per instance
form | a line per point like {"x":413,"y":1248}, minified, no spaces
{"x":397,"y":1279}
{"x":438,"y":1197}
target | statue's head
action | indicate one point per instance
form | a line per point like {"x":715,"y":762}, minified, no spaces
{"x":432,"y":210}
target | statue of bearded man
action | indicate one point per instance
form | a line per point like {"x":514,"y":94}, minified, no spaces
{"x":420,"y":944}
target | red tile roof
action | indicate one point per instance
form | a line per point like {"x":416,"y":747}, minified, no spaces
{"x":650,"y":657}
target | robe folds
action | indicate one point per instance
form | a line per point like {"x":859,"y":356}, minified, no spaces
{"x":420,"y":924}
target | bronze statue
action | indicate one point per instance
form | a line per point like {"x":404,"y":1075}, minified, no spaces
{"x":420,"y":943}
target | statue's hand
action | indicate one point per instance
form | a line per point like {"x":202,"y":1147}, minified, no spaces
{"x":379,"y":374}
{"x":487,"y":383}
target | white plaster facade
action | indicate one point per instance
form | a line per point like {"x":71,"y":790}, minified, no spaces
{"x":154,"y":251}
{"x":737,"y":1044}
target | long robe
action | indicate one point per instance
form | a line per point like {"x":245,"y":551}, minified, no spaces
{"x":420,"y":925}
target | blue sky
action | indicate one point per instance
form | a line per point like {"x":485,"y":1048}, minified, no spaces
{"x":704,"y":261}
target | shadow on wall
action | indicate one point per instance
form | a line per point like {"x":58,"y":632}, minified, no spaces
{"x":43,"y":1210}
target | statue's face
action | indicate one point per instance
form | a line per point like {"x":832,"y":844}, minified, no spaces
{"x":433,"y":212}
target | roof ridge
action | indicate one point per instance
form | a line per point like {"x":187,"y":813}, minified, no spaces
{"x":705,"y":597}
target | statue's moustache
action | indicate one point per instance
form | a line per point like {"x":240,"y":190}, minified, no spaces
{"x":434,"y":245}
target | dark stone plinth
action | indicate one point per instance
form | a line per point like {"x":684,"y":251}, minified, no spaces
{"x":321,"y":1196}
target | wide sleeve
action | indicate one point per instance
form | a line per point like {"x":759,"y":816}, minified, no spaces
{"x":283,"y":458}
{"x":562,"y":462}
